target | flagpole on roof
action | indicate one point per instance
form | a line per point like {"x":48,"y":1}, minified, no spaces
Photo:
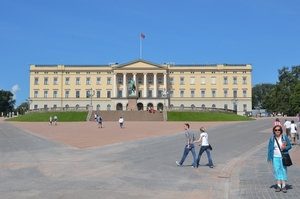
{"x":141,"y":47}
{"x":142,"y":36}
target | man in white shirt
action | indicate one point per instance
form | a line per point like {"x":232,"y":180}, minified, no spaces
{"x":287,"y":126}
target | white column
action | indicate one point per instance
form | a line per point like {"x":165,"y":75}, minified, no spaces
{"x":115,"y":85}
{"x":136,"y":88}
{"x":155,"y":85}
{"x":165,"y":81}
{"x":124,"y":85}
{"x":145,"y":85}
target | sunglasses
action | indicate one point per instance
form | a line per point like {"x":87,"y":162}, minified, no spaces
{"x":276,"y":129}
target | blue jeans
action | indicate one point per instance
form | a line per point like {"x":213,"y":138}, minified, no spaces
{"x":202,"y":149}
{"x":186,"y":152}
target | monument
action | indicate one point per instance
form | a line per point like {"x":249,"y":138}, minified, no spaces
{"x":132,"y":97}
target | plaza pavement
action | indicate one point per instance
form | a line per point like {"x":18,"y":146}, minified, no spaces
{"x":246,"y":176}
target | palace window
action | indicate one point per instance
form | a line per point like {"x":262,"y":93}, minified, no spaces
{"x":182,"y":93}
{"x":54,"y":94}
{"x":120,"y":80}
{"x":67,"y":94}
{"x":192,"y":93}
{"x":202,"y":80}
{"x":98,"y":80}
{"x":171,"y":93}
{"x":192,"y":80}
{"x":244,"y":93}
{"x":108,"y":94}
{"x":77,"y":94}
{"x":36,"y":80}
{"x":67,"y":80}
{"x":225,"y":93}
{"x":182,"y":80}
{"x":234,"y":80}
{"x":244,"y":80}
{"x":77,"y":80}
{"x":149,"y":93}
{"x":171,"y":81}
{"x":159,"y":80}
{"x":213,"y":80}
{"x":213,"y":93}
{"x":55,"y":81}
{"x":88,"y":81}
{"x":98,"y":94}
{"x":202,"y":93}
{"x":140,"y":80}
{"x":36,"y":94}
{"x":45,"y":94}
{"x":150,"y":80}
{"x":108,"y":81}
{"x":225,"y":80}
{"x":46,"y":81}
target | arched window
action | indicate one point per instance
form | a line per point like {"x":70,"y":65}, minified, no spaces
{"x":98,"y":107}
{"x":87,"y":106}
{"x":67,"y":106}
{"x":213,"y":106}
{"x":182,"y":106}
{"x":77,"y":106}
{"x":108,"y":107}
{"x":203,"y":106}
{"x":193,"y":106}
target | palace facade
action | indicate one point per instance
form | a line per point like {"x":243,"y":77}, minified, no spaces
{"x":105,"y":87}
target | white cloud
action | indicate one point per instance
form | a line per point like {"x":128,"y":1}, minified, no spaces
{"x":15,"y":89}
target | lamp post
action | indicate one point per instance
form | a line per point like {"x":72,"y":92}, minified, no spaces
{"x":91,"y":93}
{"x":165,"y":94}
{"x":234,"y":102}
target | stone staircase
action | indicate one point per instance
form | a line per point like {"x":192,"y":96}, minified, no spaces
{"x":128,"y":115}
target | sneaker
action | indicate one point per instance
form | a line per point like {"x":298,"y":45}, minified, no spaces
{"x":283,"y":190}
{"x":211,"y":167}
{"x":178,"y":163}
{"x":278,"y":189}
{"x":194,"y":167}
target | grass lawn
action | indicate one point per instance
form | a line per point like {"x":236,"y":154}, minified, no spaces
{"x":205,"y":116}
{"x":172,"y":116}
{"x":44,"y":117}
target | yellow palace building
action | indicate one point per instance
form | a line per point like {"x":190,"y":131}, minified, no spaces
{"x":170,"y":85}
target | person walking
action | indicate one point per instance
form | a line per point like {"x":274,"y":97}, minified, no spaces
{"x":278,"y":144}
{"x":50,"y":120}
{"x":204,"y":147}
{"x":99,"y":119}
{"x":96,"y":117}
{"x":287,"y":126}
{"x":55,"y":120}
{"x":121,"y":121}
{"x":293,"y":132}
{"x":189,"y":136}
{"x":277,"y":122}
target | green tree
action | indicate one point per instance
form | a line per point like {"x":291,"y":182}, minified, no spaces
{"x":6,"y":101}
{"x":279,"y":99}
{"x":22,"y":108}
{"x":258,"y":93}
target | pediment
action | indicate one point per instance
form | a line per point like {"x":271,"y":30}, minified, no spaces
{"x":140,"y":65}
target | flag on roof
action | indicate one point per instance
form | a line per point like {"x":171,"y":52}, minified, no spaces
{"x":142,"y":35}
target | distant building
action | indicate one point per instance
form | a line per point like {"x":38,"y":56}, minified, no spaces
{"x":226,"y":86}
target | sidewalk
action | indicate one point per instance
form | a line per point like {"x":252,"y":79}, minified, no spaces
{"x":247,"y":176}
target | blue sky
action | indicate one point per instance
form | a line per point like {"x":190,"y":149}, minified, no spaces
{"x":262,"y":33}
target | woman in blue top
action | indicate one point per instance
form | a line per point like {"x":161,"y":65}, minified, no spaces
{"x":275,"y":157}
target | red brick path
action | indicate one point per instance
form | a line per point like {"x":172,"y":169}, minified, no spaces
{"x":87,"y":134}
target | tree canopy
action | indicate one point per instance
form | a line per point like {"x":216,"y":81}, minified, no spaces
{"x":284,"y":96}
{"x":6,"y":101}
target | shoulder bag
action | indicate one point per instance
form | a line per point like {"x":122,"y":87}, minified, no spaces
{"x":286,"y":159}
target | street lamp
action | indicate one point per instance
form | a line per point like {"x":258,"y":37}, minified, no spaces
{"x":91,"y":93}
{"x":234,"y":102}
{"x":165,"y":94}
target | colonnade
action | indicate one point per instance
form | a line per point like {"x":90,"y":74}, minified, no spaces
{"x":145,"y":82}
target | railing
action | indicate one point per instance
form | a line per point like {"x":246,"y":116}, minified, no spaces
{"x":76,"y":108}
{"x":201,"y":109}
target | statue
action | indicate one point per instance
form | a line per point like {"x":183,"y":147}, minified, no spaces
{"x":132,"y":87}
